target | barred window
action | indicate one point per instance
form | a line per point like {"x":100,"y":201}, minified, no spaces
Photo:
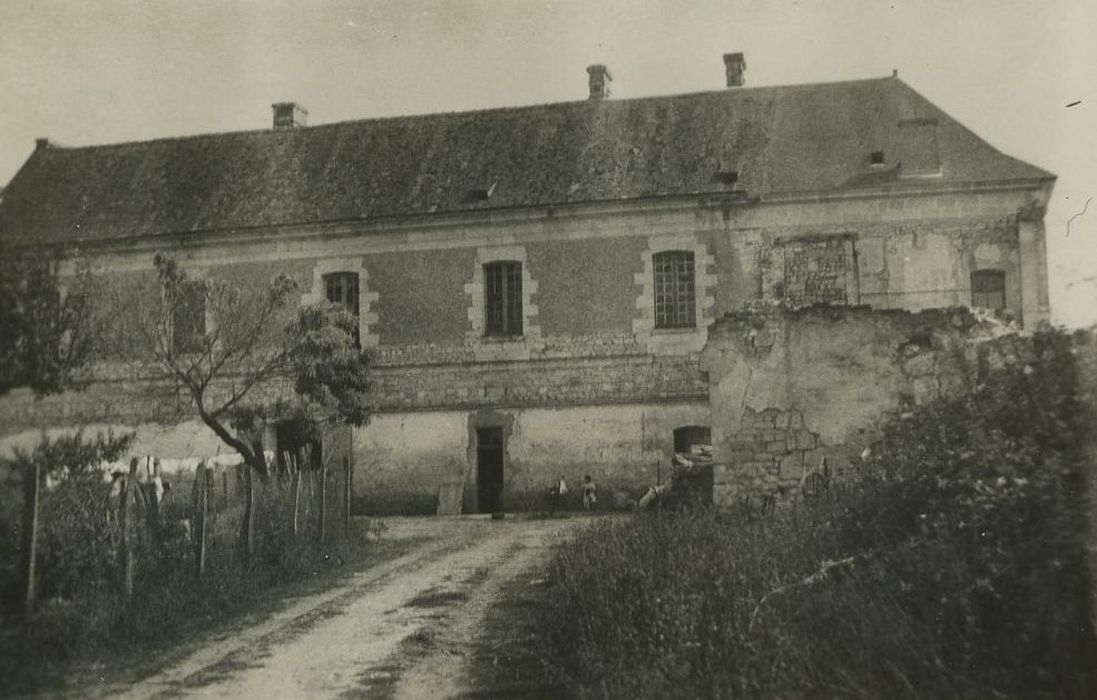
{"x":503,"y":298}
{"x":342,"y":288}
{"x":988,"y":289}
{"x":674,"y":290}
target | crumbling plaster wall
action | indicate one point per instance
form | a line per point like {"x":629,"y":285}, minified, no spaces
{"x":912,"y":250}
{"x":788,"y":388}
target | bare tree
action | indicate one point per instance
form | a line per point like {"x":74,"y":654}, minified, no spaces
{"x":225,"y":346}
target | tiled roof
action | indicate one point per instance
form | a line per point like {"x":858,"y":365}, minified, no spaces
{"x":788,"y":139}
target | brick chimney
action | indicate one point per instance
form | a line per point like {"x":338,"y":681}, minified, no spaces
{"x":600,"y":79}
{"x":734,"y":65}
{"x":289,"y":115}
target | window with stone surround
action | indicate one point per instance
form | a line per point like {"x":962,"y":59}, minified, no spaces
{"x":675,"y":291}
{"x":188,"y":319}
{"x":503,"y":298}
{"x":342,"y":288}
{"x":988,"y":289}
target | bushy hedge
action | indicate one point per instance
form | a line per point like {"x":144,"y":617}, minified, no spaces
{"x":951,"y":565}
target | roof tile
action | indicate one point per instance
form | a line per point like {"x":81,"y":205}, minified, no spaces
{"x":788,"y":139}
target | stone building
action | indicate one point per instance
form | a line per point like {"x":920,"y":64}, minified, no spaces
{"x":537,"y":283}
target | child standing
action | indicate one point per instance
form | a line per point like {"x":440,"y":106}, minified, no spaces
{"x":558,"y":492}
{"x":589,"y":492}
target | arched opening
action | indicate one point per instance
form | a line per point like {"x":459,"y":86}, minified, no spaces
{"x":692,"y":479}
{"x":688,"y":436}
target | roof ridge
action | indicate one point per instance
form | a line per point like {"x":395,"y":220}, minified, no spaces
{"x":778,"y":139}
{"x":437,"y":115}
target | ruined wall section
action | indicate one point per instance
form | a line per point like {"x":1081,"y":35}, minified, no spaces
{"x":912,"y":250}
{"x":912,"y":265}
{"x":789,"y":388}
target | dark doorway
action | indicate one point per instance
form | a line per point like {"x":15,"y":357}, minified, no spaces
{"x":291,"y":436}
{"x":692,"y":479}
{"x":686,"y":437}
{"x":489,"y":469}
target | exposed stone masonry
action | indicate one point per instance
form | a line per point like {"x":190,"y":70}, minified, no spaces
{"x":772,"y":449}
{"x":791,"y":387}
{"x":599,"y":370}
{"x":580,"y":346}
{"x":578,"y":381}
{"x":815,"y":271}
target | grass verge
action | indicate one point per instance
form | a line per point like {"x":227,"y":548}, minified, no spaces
{"x":506,"y":661}
{"x":951,"y":564}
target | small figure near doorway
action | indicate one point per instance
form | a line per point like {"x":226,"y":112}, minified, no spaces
{"x":558,"y":492}
{"x":590,"y":493}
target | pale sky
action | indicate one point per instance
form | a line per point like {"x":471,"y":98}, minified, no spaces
{"x":82,"y":72}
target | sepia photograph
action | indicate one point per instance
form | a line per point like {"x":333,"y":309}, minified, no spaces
{"x":538,"y":349}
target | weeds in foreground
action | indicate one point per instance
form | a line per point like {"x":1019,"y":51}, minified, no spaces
{"x":952,"y":565}
{"x":83,"y":615}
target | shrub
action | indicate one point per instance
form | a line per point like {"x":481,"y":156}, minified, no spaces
{"x":82,"y":609}
{"x":951,"y":565}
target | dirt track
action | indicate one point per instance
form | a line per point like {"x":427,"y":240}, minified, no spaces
{"x":402,"y":629}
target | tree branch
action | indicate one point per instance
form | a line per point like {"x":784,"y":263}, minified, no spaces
{"x":254,"y":458}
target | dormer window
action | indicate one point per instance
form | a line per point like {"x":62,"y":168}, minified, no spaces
{"x":726,"y":177}
{"x":482,"y":194}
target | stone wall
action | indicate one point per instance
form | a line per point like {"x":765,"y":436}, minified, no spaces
{"x":789,"y":388}
{"x":404,"y":458}
{"x":587,"y":302}
{"x":560,"y":382}
{"x":813,"y":270}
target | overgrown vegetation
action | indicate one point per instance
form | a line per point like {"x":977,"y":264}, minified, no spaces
{"x":950,"y":565}
{"x":109,"y":564}
{"x":46,"y":332}
{"x":84,"y":610}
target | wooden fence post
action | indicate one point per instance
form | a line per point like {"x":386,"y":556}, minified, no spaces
{"x":32,"y":478}
{"x":128,"y":490}
{"x":296,"y":498}
{"x":152,"y":507}
{"x":247,"y":533}
{"x":323,"y":499}
{"x":347,"y":473}
{"x":201,"y":497}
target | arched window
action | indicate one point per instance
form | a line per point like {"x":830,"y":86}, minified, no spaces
{"x":675,"y":305}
